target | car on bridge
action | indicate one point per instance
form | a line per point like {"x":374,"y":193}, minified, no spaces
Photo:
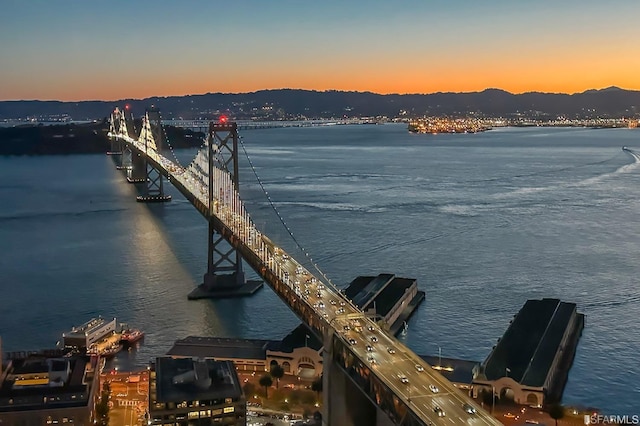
{"x":403,"y":379}
{"x":468,"y":408}
{"x":439,"y":411}
{"x":434,"y":388}
{"x":391,"y":350}
{"x":419,"y":367}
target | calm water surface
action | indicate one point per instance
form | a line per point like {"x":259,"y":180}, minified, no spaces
{"x":484,"y":222}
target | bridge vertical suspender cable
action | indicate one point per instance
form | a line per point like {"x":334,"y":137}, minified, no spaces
{"x":295,"y":240}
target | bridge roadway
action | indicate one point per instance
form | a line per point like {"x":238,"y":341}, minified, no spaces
{"x":251,"y":124}
{"x":322,"y":306}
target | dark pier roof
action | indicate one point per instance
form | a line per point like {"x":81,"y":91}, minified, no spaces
{"x":299,"y":337}
{"x":381,"y":292}
{"x":390,"y":295}
{"x":529,"y":345}
{"x":220,"y":347}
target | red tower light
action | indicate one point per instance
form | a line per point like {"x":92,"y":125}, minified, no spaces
{"x":223,"y":119}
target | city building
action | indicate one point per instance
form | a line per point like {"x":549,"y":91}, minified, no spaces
{"x":531,"y":361}
{"x":186,"y":391}
{"x":248,"y":355}
{"x":41,"y":388}
{"x":299,"y":353}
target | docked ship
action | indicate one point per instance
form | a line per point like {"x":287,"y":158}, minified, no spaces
{"x":100,"y":337}
{"x":130,"y":336}
{"x":89,"y":334}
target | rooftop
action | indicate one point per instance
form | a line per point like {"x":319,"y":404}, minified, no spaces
{"x":529,"y":345}
{"x":87,"y":327}
{"x":191,"y":379}
{"x":220,"y":347}
{"x":367,"y":294}
{"x":356,"y":286}
{"x":45,"y":386}
{"x":299,"y":337}
{"x":390,"y":295}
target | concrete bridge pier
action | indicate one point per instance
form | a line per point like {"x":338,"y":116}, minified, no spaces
{"x":136,"y":168}
{"x":224,"y":277}
{"x":123,"y":161}
{"x":344,"y":404}
{"x":153,"y":189}
{"x":116,"y":147}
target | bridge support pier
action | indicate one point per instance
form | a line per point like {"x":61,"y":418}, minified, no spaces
{"x":135,"y":168}
{"x":125,"y":159}
{"x":224,"y":277}
{"x":153,"y":191}
{"x":116,"y":147}
{"x":344,"y":404}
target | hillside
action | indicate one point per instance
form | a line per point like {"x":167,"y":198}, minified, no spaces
{"x":293,"y":104}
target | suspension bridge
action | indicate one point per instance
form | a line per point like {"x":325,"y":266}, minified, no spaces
{"x":369,"y":376}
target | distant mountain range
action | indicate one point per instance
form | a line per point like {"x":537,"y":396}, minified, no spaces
{"x":295,"y":104}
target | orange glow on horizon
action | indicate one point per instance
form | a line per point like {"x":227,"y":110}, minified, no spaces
{"x":556,"y":72}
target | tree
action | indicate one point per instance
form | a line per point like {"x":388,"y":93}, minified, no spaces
{"x":102,"y":407}
{"x":249,"y":389}
{"x":266,"y":381}
{"x":316,"y":385}
{"x":277,"y":372}
{"x":556,"y":412}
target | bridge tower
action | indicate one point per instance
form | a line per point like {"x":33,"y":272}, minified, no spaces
{"x":114,"y":128}
{"x":224,"y":276}
{"x":153,"y":190}
{"x":132,"y":162}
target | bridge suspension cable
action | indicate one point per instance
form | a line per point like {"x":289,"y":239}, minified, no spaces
{"x":286,"y":227}
{"x":175,"y":157}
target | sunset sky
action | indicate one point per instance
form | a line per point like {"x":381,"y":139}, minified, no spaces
{"x":109,"y":50}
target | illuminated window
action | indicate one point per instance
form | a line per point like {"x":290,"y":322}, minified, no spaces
{"x":229,"y":409}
